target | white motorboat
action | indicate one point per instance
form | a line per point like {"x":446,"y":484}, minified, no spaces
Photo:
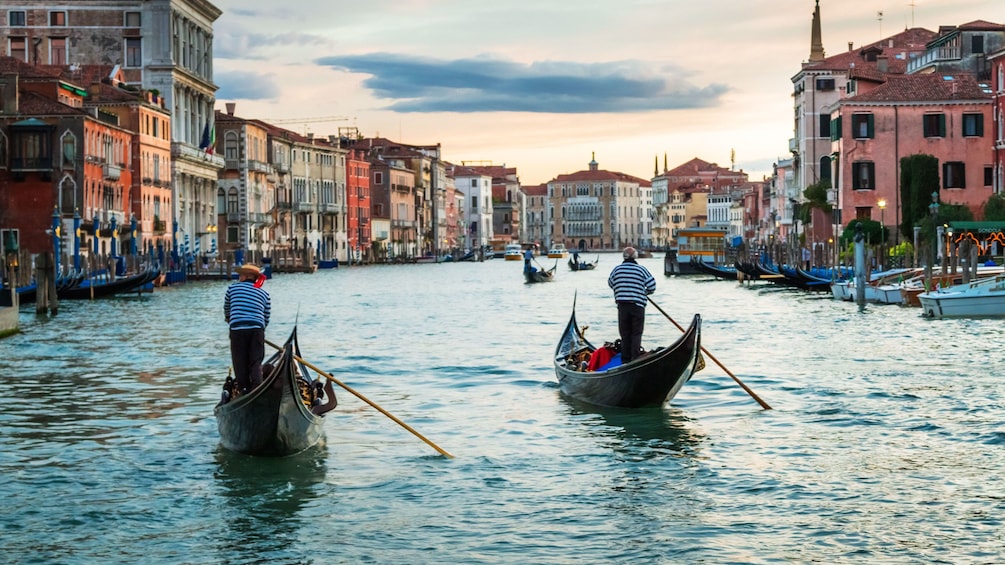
{"x":980,"y":298}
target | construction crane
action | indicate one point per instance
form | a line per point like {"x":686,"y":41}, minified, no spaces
{"x":306,"y":121}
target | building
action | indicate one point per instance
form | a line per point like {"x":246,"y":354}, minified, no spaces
{"x":997,"y":61}
{"x":824,"y":80}
{"x":596,"y":209}
{"x":537,"y":224}
{"x":476,"y":190}
{"x":935,"y":114}
{"x":162,"y":46}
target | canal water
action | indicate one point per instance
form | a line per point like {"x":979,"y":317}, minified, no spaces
{"x":885,"y":442}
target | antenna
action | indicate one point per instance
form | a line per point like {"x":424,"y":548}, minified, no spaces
{"x":879,"y":16}
{"x":912,"y":5}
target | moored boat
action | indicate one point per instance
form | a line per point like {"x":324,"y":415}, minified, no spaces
{"x":650,"y":380}
{"x":558,"y":251}
{"x":981,"y":298}
{"x":281,"y":416}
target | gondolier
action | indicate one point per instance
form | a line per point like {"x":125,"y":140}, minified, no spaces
{"x":632,"y":284}
{"x":247,"y":307}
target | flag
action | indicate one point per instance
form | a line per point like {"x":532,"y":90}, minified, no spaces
{"x":208,"y":138}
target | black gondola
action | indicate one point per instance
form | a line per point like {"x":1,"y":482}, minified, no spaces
{"x":650,"y":380}
{"x":717,"y":271}
{"x":281,"y":416}
{"x":576,"y":265}
{"x":93,"y":289}
{"x":539,"y":275}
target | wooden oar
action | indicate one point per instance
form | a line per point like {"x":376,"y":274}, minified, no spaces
{"x":367,"y":400}
{"x":712,"y":357}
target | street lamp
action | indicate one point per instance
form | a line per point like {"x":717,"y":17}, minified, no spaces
{"x":882,"y":230}
{"x":934,"y":208}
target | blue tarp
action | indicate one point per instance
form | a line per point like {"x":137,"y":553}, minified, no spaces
{"x":614,"y":362}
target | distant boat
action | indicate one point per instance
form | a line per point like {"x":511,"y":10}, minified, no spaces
{"x":513,"y":252}
{"x":558,"y":251}
{"x":702,"y":244}
{"x":576,"y":265}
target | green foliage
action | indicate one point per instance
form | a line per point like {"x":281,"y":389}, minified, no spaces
{"x":994,"y":208}
{"x":816,"y":197}
{"x":919,"y":178}
{"x":871,"y":229}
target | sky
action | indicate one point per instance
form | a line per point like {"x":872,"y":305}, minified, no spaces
{"x":546,"y":85}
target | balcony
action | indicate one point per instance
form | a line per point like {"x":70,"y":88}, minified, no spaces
{"x":328,"y":208}
{"x":110,"y":171}
{"x":184,"y":151}
{"x":260,"y":218}
{"x":284,"y":205}
{"x":260,"y":167}
{"x":304,"y":207}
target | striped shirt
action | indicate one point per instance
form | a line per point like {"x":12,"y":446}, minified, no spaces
{"x":247,"y":307}
{"x":631,"y":283}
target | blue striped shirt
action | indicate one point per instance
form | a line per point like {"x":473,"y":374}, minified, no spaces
{"x":247,"y":307}
{"x":631,"y":283}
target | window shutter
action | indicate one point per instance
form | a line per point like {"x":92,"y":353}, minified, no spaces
{"x":870,"y":126}
{"x":942,"y":125}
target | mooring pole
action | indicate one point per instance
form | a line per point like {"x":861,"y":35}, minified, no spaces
{"x":860,"y":277}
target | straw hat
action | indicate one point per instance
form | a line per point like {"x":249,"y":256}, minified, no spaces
{"x":248,"y":269}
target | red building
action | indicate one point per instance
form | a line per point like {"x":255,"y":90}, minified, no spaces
{"x":358,"y":225}
{"x":61,"y":167}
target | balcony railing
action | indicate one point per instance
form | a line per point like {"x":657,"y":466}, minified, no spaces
{"x":260,"y":167}
{"x":328,"y":208}
{"x":30,"y":163}
{"x":260,"y":218}
{"x":304,"y":207}
{"x":110,"y":171}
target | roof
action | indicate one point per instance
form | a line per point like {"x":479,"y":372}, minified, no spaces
{"x":897,"y":49}
{"x":600,"y":174}
{"x":925,"y":88}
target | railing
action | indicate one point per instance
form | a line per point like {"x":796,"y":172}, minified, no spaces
{"x":304,"y":207}
{"x":260,"y":218}
{"x":260,"y":167}
{"x":30,"y":163}
{"x":328,"y":208}
{"x":111,"y":172}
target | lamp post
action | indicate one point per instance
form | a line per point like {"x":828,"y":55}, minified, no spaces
{"x":934,"y":208}
{"x":882,"y":230}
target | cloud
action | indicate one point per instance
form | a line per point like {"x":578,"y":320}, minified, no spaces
{"x":417,"y":84}
{"x":263,"y":46}
{"x":245,"y":85}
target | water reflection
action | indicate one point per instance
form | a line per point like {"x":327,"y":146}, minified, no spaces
{"x":648,"y":431}
{"x":263,"y":498}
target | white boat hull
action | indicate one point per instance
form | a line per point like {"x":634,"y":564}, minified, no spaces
{"x":985,"y":297}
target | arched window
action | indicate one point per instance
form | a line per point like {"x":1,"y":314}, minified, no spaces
{"x":233,"y":206}
{"x":825,"y":168}
{"x":230,"y":146}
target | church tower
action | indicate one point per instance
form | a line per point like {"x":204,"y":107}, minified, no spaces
{"x":816,"y":43}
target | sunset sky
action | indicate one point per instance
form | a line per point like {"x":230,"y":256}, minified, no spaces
{"x":542,"y":85}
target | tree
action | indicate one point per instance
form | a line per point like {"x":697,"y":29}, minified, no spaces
{"x":919,"y":178}
{"x":994,"y":208}
{"x":816,"y":197}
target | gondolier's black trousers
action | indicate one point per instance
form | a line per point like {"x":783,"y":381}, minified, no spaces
{"x":247,"y":350}
{"x":631,"y":323}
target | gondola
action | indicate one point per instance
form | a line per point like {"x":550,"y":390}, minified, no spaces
{"x":93,"y":289}
{"x":717,"y":271}
{"x":576,"y":265}
{"x":650,"y":380}
{"x":539,"y":275}
{"x":281,"y":416}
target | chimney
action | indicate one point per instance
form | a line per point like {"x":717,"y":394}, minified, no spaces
{"x":850,"y":46}
{"x":230,"y":108}
{"x":882,"y":64}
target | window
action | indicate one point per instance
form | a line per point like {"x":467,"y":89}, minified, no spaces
{"x":134,"y":52}
{"x":977,"y":44}
{"x":934,"y":125}
{"x":863,"y":175}
{"x":825,"y":168}
{"x":989,"y":176}
{"x":69,"y":153}
{"x":954,"y":175}
{"x":57,"y":51}
{"x":825,"y":84}
{"x":57,"y":19}
{"x":973,"y":125}
{"x":19,"y":48}
{"x":233,"y":206}
{"x":862,"y":126}
{"x":378,"y":177}
{"x":825,"y":126}
{"x":474,"y":203}
{"x":133,"y":19}
{"x":15,"y":18}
